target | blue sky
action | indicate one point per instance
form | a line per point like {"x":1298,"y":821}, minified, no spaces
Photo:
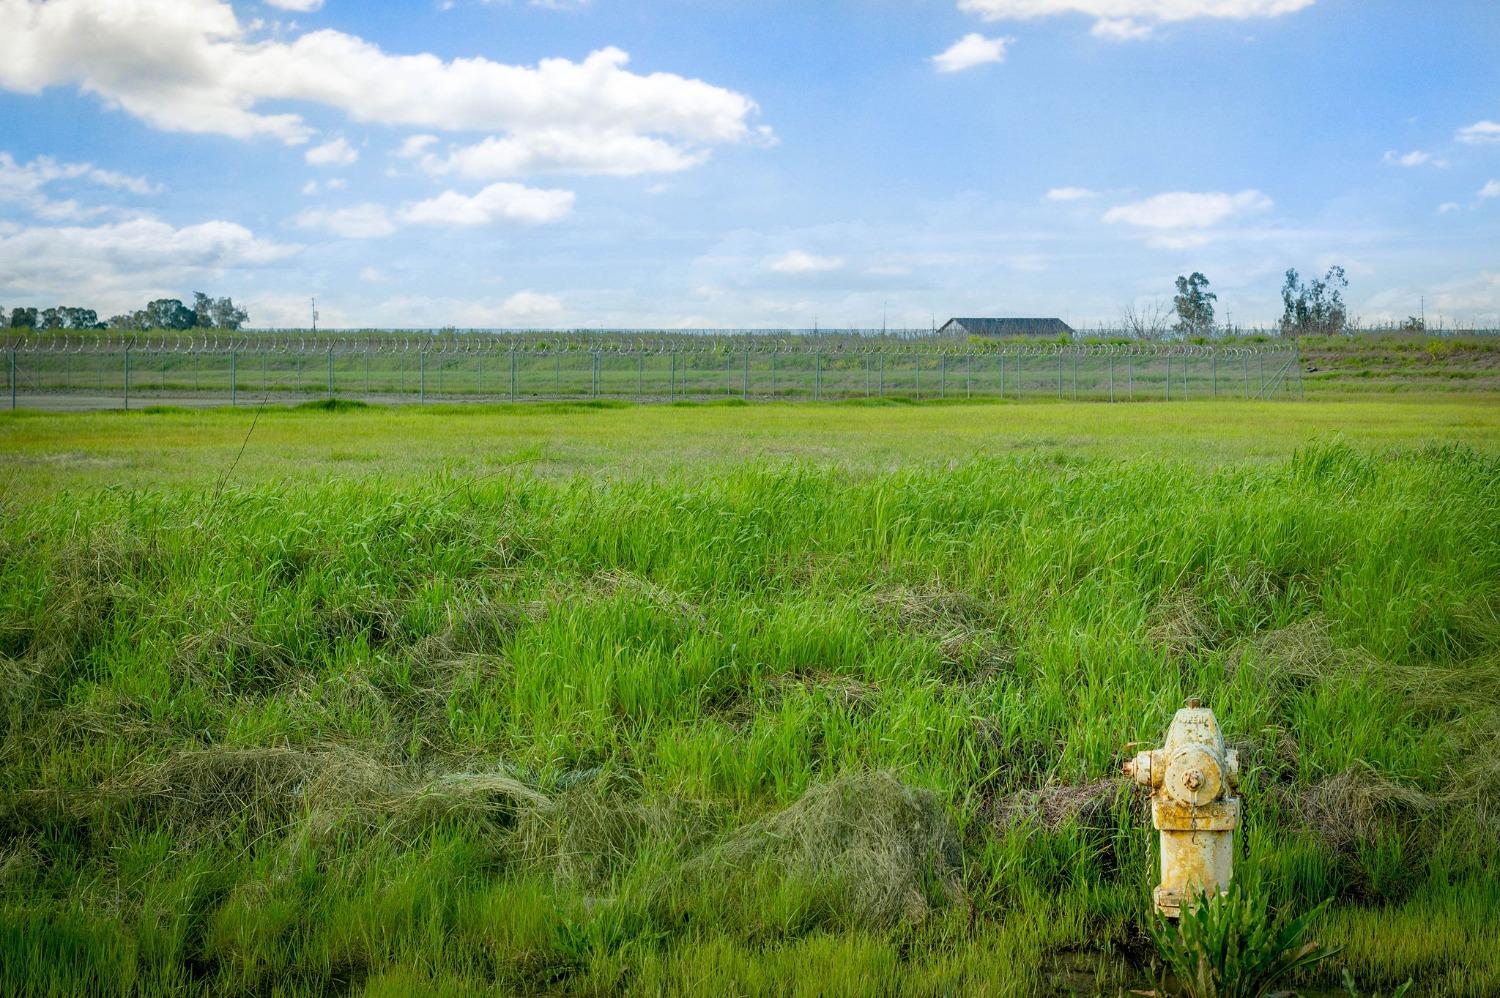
{"x":688,"y":163}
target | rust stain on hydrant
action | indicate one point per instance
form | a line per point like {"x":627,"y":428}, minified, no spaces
{"x":1191,"y":778}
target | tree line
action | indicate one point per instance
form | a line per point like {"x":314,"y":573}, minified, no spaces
{"x":164,"y":313}
{"x":1309,"y":308}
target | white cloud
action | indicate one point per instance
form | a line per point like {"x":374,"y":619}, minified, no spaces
{"x":497,"y":203}
{"x":1120,"y":29}
{"x":337,"y":152}
{"x":1071,"y":194}
{"x":25,"y":184}
{"x":1187,"y":210}
{"x":1125,"y":20}
{"x":802,"y":262}
{"x":331,"y":184}
{"x":300,"y":6}
{"x":1448,"y":207}
{"x":1490,"y":190}
{"x":1480,"y":133}
{"x":373,"y":275}
{"x":113,"y":264}
{"x":502,"y":202}
{"x":969,"y":51}
{"x":192,"y":66}
{"x":555,"y":151}
{"x":524,"y":308}
{"x":359,"y":221}
{"x":1416,"y":157}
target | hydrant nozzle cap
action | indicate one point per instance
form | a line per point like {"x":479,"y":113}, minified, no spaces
{"x":1194,"y":703}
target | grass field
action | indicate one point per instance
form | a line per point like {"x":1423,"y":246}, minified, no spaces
{"x":794,"y":699}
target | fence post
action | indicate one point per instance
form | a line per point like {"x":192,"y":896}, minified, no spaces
{"x":127,"y":377}
{"x":1245,"y":366}
{"x":818,"y":375}
{"x":747,"y":372}
{"x":1301,"y":385}
{"x":1214,"y":376}
{"x":1059,"y":375}
{"x":330,"y":372}
{"x":968,"y":376}
{"x":1111,"y":377}
{"x":596,"y":374}
{"x":234,"y":393}
{"x":512,"y":374}
{"x":640,"y":375}
{"x":12,"y":379}
{"x":882,"y":376}
{"x":773,"y":374}
{"x":1169,"y":377}
{"x":1002,"y":375}
{"x":422,"y":375}
{"x":943,"y":376}
{"x":1075,"y":374}
{"x":916,"y":359}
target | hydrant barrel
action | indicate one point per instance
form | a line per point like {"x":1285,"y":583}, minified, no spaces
{"x":1191,"y":778}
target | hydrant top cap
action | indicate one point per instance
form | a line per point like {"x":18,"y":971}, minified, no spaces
{"x":1194,"y":703}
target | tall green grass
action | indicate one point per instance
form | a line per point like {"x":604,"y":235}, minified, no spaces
{"x":770,"y":729}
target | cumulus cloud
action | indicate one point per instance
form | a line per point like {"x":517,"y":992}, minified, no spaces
{"x":337,"y":152}
{"x":1480,"y":133}
{"x":25,"y":184}
{"x":1490,"y":190}
{"x":802,"y":262}
{"x":1071,"y":194}
{"x":524,"y":308}
{"x":1416,"y":157}
{"x":299,"y":6}
{"x":496,"y":204}
{"x":501,"y":202}
{"x":969,"y":51}
{"x":103,"y":262}
{"x":192,"y":66}
{"x":357,"y":221}
{"x":1125,"y":20}
{"x":1120,"y":29}
{"x":554,"y":151}
{"x":1187,"y":210}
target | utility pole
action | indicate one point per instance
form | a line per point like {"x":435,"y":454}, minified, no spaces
{"x":315,"y":314}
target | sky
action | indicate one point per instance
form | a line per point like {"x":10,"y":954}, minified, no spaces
{"x":747,"y":163}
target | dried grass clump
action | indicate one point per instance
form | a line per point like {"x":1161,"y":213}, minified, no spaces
{"x":1303,"y":652}
{"x":479,"y":625}
{"x":1356,"y":805}
{"x":598,"y":827}
{"x":1183,"y":625}
{"x":1088,"y":805}
{"x":611,"y":583}
{"x":215,"y":791}
{"x":962,"y":625}
{"x":871,"y":851}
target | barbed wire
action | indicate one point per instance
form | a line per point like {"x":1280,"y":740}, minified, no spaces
{"x":488,"y":344}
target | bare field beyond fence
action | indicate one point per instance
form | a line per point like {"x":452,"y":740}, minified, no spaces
{"x":99,"y":372}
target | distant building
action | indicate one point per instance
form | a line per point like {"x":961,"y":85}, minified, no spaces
{"x":1006,"y":327}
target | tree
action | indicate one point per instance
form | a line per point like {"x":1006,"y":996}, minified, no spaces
{"x":169,"y":313}
{"x":128,"y":320}
{"x":1316,"y":308}
{"x":1195,"y":305}
{"x":2,"y":318}
{"x":1146,"y":322}
{"x":80,"y":318}
{"x":22,"y":318}
{"x":203,"y":307}
{"x":227,"y":316}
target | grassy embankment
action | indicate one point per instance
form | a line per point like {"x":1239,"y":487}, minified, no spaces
{"x":824,"y":699}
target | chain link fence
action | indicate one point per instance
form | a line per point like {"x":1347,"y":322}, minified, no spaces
{"x":101,"y":372}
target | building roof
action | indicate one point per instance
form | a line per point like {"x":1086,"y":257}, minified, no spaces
{"x":1009,"y":327}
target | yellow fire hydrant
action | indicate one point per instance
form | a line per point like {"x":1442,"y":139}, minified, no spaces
{"x":1191,"y":778}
